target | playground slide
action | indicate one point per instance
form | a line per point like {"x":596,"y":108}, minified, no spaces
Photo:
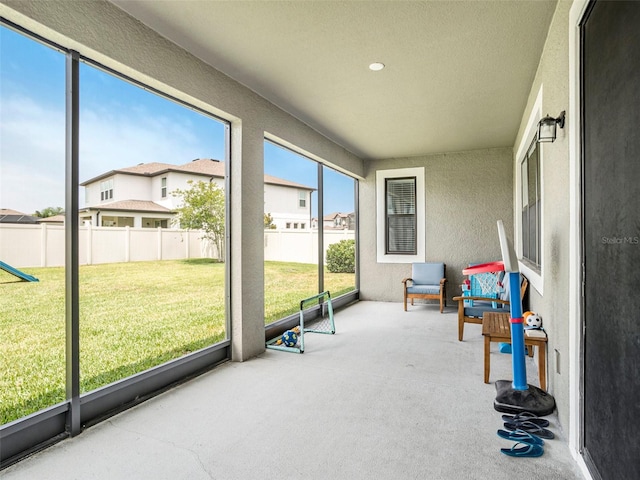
{"x":21,"y":275}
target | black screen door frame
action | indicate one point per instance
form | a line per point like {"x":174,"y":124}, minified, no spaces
{"x":610,"y":175}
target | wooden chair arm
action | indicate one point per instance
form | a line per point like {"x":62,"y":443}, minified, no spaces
{"x":496,"y":300}
{"x":443,"y":281}
{"x":405,"y":280}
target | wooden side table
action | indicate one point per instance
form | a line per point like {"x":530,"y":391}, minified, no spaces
{"x":496,"y":328}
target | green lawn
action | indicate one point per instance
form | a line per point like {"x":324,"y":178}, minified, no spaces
{"x":288,"y":283}
{"x":133,"y":316}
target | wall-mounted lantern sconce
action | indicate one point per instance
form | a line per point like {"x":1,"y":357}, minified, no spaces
{"x":547,"y":127}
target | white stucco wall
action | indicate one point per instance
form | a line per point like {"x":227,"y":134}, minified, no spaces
{"x":283,"y":203}
{"x":91,"y":195}
{"x":130,"y":187}
{"x":125,"y":187}
{"x":178,"y":181}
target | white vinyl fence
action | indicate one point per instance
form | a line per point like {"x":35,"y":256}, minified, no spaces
{"x":300,"y":246}
{"x":43,"y":245}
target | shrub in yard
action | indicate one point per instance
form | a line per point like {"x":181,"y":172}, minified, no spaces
{"x":341,"y":257}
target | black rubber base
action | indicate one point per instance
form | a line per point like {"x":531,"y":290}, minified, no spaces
{"x":534,"y":399}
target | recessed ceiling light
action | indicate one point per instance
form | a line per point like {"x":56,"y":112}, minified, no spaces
{"x":376,"y":66}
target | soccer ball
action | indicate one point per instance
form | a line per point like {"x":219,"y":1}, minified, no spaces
{"x":289,"y":338}
{"x":533,"y":320}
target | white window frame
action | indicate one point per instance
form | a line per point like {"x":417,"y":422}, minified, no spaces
{"x":533,"y":275}
{"x":381,"y":178}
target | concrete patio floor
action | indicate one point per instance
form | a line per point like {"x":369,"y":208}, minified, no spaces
{"x":392,"y":395}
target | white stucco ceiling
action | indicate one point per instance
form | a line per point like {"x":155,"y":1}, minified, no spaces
{"x":457,"y":74}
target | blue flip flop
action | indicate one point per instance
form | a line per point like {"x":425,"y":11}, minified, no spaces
{"x":521,"y":436}
{"x":527,"y":450}
{"x":526,"y":417}
{"x":530,"y":428}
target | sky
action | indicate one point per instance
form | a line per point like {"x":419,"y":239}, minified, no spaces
{"x":121,"y":125}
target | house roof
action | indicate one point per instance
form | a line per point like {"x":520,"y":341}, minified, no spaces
{"x":19,"y":218}
{"x":148,"y":169}
{"x":129,"y":205}
{"x":151,"y":169}
{"x":200,"y":166}
{"x":203,"y":166}
{"x":333,"y":215}
{"x":8,"y":211}
{"x":52,"y":219}
{"x":285,"y":183}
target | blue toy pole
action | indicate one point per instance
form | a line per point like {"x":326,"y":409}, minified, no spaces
{"x":517,"y":333}
{"x":517,"y":396}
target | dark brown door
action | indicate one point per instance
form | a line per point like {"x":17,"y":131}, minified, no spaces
{"x":611,"y":221}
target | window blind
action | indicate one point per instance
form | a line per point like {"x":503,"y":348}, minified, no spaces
{"x":401,"y":215}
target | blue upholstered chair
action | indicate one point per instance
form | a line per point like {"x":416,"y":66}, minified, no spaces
{"x":427,"y":281}
{"x":472,"y":308}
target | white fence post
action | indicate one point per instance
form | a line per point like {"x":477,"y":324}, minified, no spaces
{"x":89,"y":243}
{"x":43,"y":245}
{"x":127,"y":244}
{"x":159,"y":243}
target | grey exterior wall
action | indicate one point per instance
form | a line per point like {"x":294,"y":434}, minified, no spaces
{"x":104,"y":33}
{"x":553,"y":303}
{"x":466,"y":193}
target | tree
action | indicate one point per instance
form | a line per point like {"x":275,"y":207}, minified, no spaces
{"x":268,"y":222}
{"x":203,"y":208}
{"x":49,"y":212}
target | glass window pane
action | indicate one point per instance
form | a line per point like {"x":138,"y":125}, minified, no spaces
{"x":401,"y":221}
{"x":535,"y":158}
{"x":152,"y":271}
{"x":533,"y":249}
{"x":525,"y":232}
{"x":537,"y":239}
{"x":533,"y":177}
{"x":32,"y":240}
{"x":401,"y":234}
{"x":290,"y":251}
{"x":524,"y":168}
{"x":339,"y":232}
{"x":401,"y":196}
{"x":530,"y":175}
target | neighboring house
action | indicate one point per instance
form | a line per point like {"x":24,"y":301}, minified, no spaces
{"x":13,"y":216}
{"x":339,"y":221}
{"x":141,"y":196}
{"x":288,"y":203}
{"x":52,"y":220}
